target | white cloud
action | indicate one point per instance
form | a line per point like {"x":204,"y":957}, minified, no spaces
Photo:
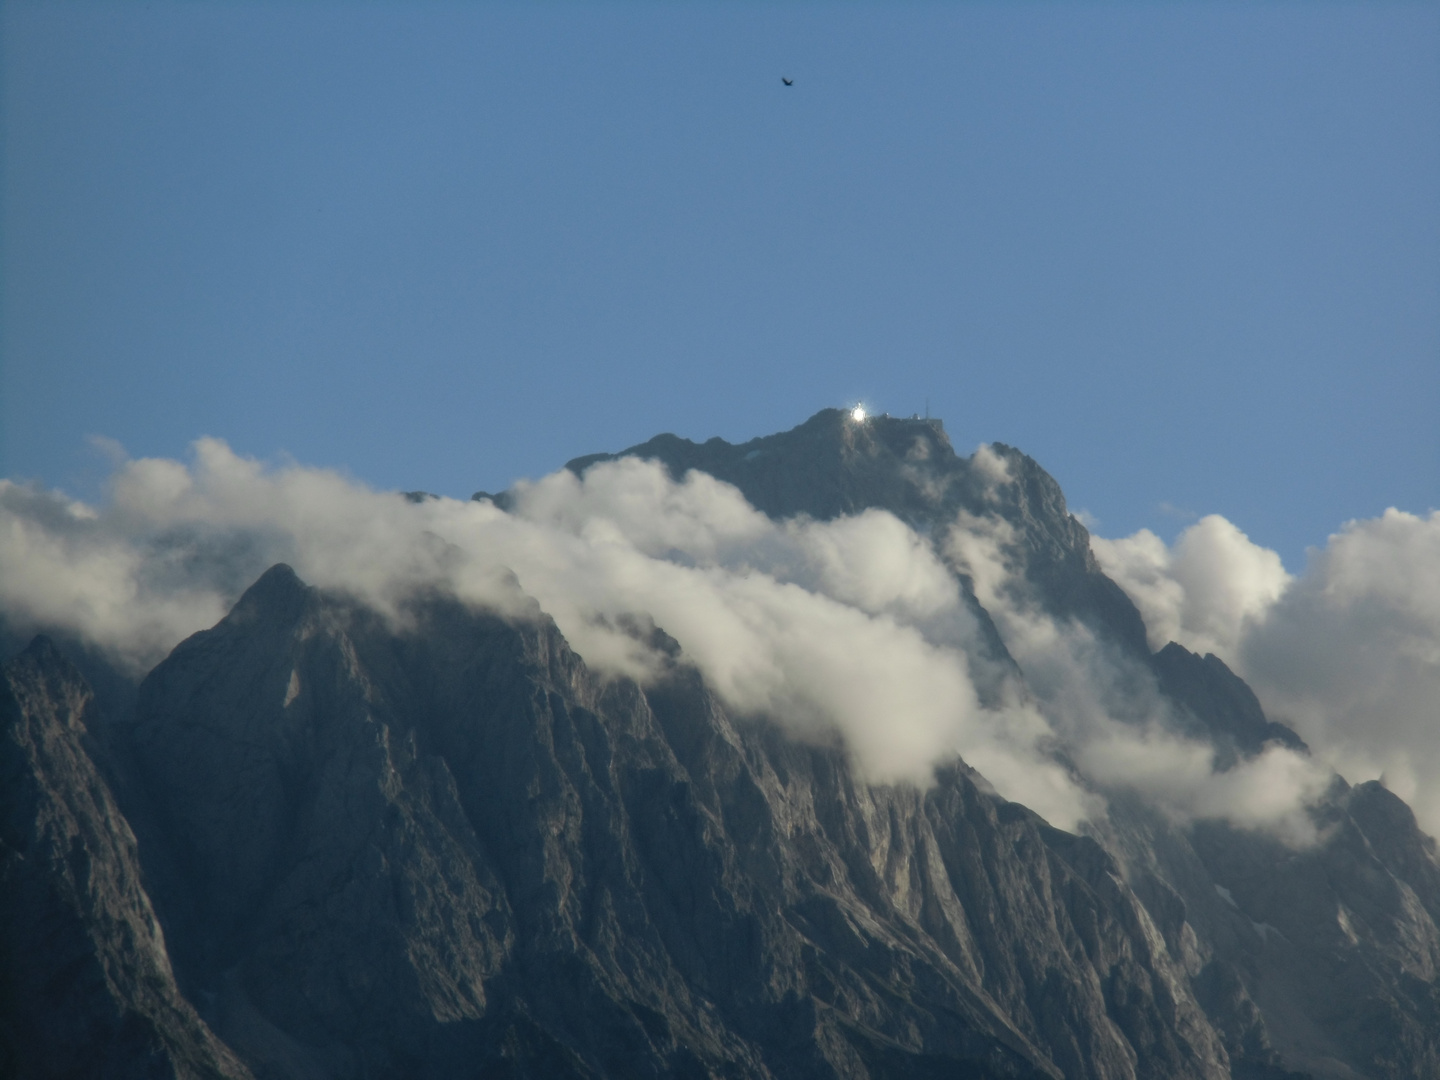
{"x":1203,"y":591}
{"x":1269,"y":791}
{"x":991,"y":466}
{"x":852,"y":627}
{"x":1350,"y":655}
{"x":63,"y":565}
{"x":1105,"y":709}
{"x":1347,"y":653}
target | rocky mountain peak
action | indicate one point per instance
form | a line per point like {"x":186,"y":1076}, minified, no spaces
{"x":1220,"y":702}
{"x":325,"y":843}
{"x":43,"y":671}
{"x":277,"y":596}
{"x":833,"y":465}
{"x":830,"y":465}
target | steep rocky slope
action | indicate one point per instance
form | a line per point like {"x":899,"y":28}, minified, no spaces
{"x":86,"y":986}
{"x":405,"y":850}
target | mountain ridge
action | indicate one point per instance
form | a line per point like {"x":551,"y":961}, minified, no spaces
{"x":441,"y":845}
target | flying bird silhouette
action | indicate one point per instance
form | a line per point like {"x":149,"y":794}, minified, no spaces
{"x":787,"y":82}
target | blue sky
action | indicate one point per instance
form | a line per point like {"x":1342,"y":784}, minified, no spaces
{"x":1188,"y":257}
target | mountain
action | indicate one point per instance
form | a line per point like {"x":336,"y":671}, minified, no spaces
{"x":325,"y":840}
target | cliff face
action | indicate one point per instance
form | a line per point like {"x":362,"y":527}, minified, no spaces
{"x":86,"y":984}
{"x":329,"y":843}
{"x":419,"y":850}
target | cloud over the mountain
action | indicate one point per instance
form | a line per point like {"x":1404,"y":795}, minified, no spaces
{"x":1108,"y":715}
{"x":853,"y":626}
{"x":1348,"y":652}
{"x":1203,"y":591}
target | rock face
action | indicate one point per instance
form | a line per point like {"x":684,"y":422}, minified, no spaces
{"x":326,"y":843}
{"x":1218,"y":701}
{"x":86,"y":986}
{"x":415,"y":852}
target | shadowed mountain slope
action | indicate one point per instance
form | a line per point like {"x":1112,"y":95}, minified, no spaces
{"x":86,"y":986}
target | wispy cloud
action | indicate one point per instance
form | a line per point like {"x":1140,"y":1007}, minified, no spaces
{"x":1106,"y":713}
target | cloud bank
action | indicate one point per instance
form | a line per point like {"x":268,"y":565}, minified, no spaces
{"x":852,"y":629}
{"x":1347,"y":652}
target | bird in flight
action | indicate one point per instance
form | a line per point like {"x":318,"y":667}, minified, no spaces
{"x":787,"y":82}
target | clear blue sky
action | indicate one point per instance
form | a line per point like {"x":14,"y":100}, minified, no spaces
{"x":1185,"y":256}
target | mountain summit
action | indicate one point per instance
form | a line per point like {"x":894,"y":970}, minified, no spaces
{"x":834,"y":464}
{"x":337,"y":839}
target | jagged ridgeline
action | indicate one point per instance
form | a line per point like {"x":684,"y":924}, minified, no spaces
{"x":318,"y":840}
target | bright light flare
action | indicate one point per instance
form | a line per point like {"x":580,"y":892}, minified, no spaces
{"x":858,"y":414}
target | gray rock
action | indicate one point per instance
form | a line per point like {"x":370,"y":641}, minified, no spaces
{"x":86,"y":987}
{"x":1222,"y":708}
{"x":404,"y":843}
